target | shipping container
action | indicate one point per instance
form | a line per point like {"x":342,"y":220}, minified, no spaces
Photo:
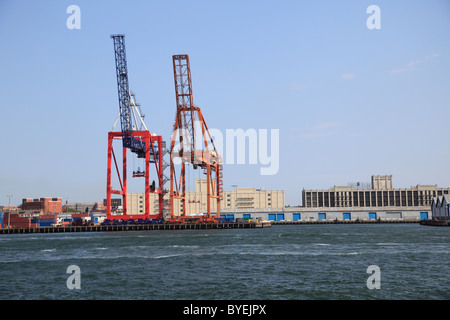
{"x":47,"y":216}
{"x":80,"y":215}
{"x":46,"y":224}
{"x":77,"y":222}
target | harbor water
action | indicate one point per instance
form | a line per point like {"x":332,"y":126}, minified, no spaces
{"x":290,"y":262}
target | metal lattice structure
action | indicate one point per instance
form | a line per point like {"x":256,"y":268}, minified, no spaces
{"x":135,"y":145}
{"x":201,"y":153}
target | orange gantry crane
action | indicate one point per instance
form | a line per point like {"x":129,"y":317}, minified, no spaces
{"x":192,"y":143}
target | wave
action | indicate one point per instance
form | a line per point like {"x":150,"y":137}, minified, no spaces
{"x":167,"y":256}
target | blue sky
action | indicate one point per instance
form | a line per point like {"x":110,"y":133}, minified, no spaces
{"x":349,"y":102}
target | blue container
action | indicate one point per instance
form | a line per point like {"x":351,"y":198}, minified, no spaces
{"x":46,"y":220}
{"x":296,"y":216}
{"x":45,"y":224}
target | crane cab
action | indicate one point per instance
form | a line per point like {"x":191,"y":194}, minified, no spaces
{"x":138,"y":173}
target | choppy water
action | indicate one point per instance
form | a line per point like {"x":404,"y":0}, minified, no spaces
{"x":281,"y":262}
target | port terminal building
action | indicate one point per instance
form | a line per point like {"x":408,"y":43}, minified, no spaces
{"x":377,"y":201}
{"x":380,"y":201}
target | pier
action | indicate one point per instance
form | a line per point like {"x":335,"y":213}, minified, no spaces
{"x":344,"y":221}
{"x":138,"y":227}
{"x":435,"y":223}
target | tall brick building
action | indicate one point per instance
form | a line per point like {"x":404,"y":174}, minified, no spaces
{"x":51,"y":205}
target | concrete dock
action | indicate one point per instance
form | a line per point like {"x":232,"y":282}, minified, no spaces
{"x":138,"y":227}
{"x":344,"y":221}
{"x":436,"y":223}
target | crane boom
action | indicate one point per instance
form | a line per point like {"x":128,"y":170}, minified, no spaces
{"x":135,"y":145}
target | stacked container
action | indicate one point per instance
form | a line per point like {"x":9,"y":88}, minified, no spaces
{"x":79,"y":218}
{"x":16,"y":221}
{"x":46,"y":220}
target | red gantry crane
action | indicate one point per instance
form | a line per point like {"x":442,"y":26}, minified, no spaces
{"x":192,"y":144}
{"x":138,"y":139}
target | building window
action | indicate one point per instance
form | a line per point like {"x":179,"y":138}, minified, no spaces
{"x":403,"y":193}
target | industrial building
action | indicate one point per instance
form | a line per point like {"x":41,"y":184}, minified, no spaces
{"x":237,"y":199}
{"x":379,"y":201}
{"x":381,"y":195}
{"x":48,"y":205}
{"x":84,"y":206}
